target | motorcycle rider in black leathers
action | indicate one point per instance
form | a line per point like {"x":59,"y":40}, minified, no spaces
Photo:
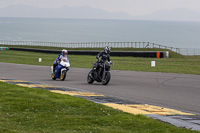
{"x":102,"y":57}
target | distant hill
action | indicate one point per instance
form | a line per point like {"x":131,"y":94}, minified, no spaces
{"x":179,"y":14}
{"x":63,"y":12}
{"x":86,"y":12}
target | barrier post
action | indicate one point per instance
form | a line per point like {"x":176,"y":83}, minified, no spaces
{"x":4,"y":48}
{"x":40,"y":60}
{"x":158,"y":54}
{"x":153,"y":63}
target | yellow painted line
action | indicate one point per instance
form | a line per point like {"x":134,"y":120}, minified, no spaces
{"x":3,"y":80}
{"x":130,"y":108}
{"x":76,"y":93}
{"x":12,"y":81}
{"x":159,"y":110}
{"x":146,"y":109}
{"x":126,"y":108}
{"x":35,"y":85}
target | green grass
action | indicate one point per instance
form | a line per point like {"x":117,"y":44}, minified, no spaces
{"x":177,"y":64}
{"x":28,"y":110}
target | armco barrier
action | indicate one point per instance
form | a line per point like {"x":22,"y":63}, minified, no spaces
{"x":4,"y":48}
{"x":146,"y":54}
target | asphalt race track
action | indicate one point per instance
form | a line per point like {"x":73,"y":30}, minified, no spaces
{"x":177,"y":91}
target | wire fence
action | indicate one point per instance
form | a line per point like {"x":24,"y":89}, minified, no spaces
{"x":88,"y":44}
{"x":189,"y":51}
{"x":101,"y":45}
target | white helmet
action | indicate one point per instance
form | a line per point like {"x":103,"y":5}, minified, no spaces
{"x":107,"y":50}
{"x":64,"y":52}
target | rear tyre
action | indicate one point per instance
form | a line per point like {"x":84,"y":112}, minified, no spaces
{"x":53,"y":76}
{"x":106,"y":80}
{"x":63,"y":75}
{"x":90,"y":80}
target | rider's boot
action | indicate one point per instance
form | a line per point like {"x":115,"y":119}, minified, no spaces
{"x":54,"y":67}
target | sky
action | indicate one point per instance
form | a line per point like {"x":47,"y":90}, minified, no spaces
{"x":132,"y":7}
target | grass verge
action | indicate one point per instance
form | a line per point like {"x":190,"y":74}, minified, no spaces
{"x":25,"y":110}
{"x":183,"y":64}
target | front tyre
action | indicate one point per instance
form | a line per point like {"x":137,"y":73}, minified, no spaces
{"x":106,"y":80}
{"x":63,"y":75}
{"x":90,"y":80}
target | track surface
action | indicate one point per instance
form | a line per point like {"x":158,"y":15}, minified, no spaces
{"x":177,"y":91}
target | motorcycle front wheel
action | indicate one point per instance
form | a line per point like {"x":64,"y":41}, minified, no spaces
{"x":90,"y":80}
{"x":106,"y":79}
{"x":63,"y":75}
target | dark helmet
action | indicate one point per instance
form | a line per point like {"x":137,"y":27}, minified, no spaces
{"x":64,"y":52}
{"x":107,"y":50}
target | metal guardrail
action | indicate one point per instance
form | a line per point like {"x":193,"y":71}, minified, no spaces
{"x":183,"y":51}
{"x":89,"y":44}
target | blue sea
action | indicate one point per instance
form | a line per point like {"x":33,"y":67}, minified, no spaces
{"x":178,"y":34}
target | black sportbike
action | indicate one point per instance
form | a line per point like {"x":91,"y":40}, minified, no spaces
{"x":100,"y":75}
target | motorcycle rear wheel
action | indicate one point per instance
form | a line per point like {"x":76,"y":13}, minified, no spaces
{"x":53,"y":76}
{"x":90,"y":80}
{"x":106,"y":80}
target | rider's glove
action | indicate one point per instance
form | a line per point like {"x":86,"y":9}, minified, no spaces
{"x":111,"y":62}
